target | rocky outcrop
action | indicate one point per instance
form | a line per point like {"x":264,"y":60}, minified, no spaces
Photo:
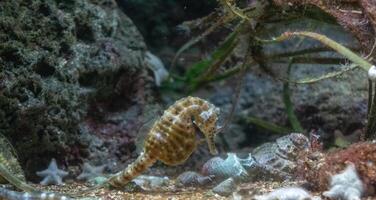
{"x":72,"y":78}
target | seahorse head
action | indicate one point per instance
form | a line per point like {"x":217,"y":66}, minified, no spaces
{"x":206,"y":121}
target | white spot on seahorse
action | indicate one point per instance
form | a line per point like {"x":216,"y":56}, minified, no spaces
{"x":158,"y":136}
{"x":205,"y":115}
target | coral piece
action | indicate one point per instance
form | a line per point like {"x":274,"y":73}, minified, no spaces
{"x":288,"y":193}
{"x":278,"y":159}
{"x":346,"y":185}
{"x":275,"y":160}
{"x":225,"y":188}
{"x":315,"y":167}
{"x":156,"y":65}
{"x":315,"y":140}
{"x":52,"y":175}
{"x":172,"y":139}
{"x":191,"y":178}
{"x":90,"y":172}
{"x":230,"y":167}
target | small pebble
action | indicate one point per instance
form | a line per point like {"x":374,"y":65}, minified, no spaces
{"x":225,"y":188}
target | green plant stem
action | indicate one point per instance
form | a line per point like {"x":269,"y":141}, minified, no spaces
{"x":371,"y":124}
{"x":289,"y":106}
{"x":329,"y":75}
{"x":194,"y":40}
{"x":268,"y":125}
{"x":363,"y":63}
{"x":234,"y":10}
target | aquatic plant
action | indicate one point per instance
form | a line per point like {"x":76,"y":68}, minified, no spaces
{"x":289,"y":107}
{"x":357,"y":17}
{"x":244,"y":34}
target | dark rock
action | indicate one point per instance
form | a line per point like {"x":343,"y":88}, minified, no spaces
{"x":70,"y":73}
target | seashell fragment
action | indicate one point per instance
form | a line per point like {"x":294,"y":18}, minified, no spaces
{"x":231,"y":167}
{"x":225,"y":188}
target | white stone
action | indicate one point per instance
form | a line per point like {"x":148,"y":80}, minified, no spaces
{"x":372,"y":73}
{"x":156,"y":65}
{"x":287,"y":193}
{"x":345,"y":185}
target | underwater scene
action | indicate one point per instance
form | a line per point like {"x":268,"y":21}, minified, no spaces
{"x":188,"y":99}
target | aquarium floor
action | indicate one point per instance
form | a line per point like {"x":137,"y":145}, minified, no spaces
{"x":164,"y":193}
{"x":244,"y":191}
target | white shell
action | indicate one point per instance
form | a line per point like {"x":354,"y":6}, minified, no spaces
{"x":223,"y":169}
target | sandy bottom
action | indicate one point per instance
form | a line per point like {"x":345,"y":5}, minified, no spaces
{"x":245,"y":191}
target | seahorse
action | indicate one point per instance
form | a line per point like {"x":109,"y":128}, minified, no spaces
{"x":11,"y":172}
{"x":172,"y":138}
{"x":10,"y":169}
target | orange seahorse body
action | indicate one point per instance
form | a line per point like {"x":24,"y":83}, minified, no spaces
{"x":172,"y":139}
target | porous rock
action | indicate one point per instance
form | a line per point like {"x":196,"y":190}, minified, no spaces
{"x":67,"y":78}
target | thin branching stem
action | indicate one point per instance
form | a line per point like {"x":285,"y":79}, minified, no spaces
{"x":233,"y":9}
{"x":289,"y":106}
{"x":363,"y":63}
{"x":329,"y":75}
{"x":220,"y":22}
